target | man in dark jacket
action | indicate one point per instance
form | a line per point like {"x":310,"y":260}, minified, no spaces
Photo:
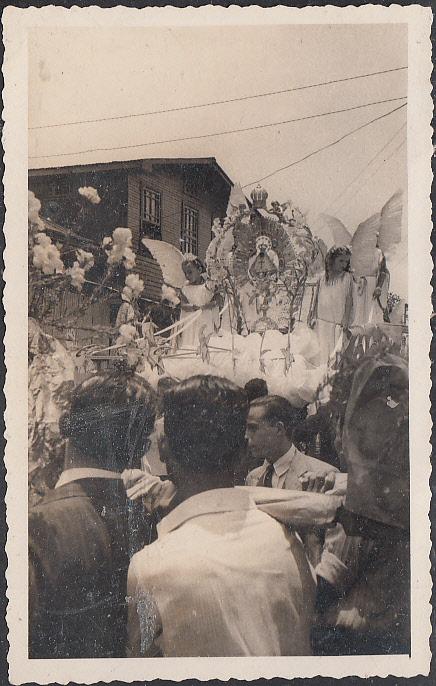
{"x":83,"y":533}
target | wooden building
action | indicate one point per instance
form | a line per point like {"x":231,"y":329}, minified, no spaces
{"x":174,"y":200}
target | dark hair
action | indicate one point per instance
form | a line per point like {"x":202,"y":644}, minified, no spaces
{"x":197,"y":263}
{"x":161,"y":315}
{"x":256,"y":388}
{"x":164,"y":384}
{"x":205,"y":422}
{"x":332,"y":254}
{"x":278,"y":409}
{"x":110,"y":418}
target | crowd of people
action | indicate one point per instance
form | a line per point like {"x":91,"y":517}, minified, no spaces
{"x":203,"y":520}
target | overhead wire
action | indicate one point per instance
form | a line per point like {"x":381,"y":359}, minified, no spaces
{"x":362,"y":171}
{"x":324,"y":147}
{"x":218,"y":133}
{"x":216,"y":102}
{"x":386,"y":159}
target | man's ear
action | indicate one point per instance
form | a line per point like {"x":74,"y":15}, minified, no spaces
{"x":164,"y":449}
{"x":280,"y":427}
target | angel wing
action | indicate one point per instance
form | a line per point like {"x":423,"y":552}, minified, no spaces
{"x":384,"y":227}
{"x":237,"y":198}
{"x":169,"y":259}
{"x":332,"y":231}
{"x":364,"y":245}
{"x":390,"y":222}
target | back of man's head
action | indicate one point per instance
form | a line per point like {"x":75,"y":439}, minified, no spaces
{"x":256,"y":388}
{"x":109,"y":419}
{"x":278,"y":409}
{"x":205,"y":421}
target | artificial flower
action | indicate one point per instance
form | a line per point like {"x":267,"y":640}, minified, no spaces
{"x":77,"y":275}
{"x":170,"y":296}
{"x":34,"y":208}
{"x":90,"y":194}
{"x":121,"y":248}
{"x":85,"y":259}
{"x":135,"y":284}
{"x":127,"y":333}
{"x":46,"y":256}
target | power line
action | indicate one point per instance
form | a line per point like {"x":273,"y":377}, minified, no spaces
{"x":218,"y":133}
{"x":386,"y":159}
{"x":216,"y":102}
{"x":342,"y":193}
{"x":324,"y":147}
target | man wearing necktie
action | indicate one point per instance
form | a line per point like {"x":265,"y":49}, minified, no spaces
{"x":266,"y":479}
{"x":270,"y":427}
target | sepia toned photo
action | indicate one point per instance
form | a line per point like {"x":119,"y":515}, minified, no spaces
{"x":227,"y":276}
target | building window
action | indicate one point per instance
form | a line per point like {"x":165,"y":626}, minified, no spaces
{"x":189,"y":235}
{"x":151,"y":215}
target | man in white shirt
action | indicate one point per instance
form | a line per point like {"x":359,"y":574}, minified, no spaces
{"x":223,"y":578}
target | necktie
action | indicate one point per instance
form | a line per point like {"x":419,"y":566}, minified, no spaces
{"x":267,"y":477}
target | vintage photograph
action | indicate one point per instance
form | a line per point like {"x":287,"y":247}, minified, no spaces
{"x":218,"y":341}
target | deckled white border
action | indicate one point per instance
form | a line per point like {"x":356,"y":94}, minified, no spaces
{"x":16,"y":23}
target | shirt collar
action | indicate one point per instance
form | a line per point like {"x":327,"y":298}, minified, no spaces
{"x":76,"y":473}
{"x":281,"y":466}
{"x":207,"y":502}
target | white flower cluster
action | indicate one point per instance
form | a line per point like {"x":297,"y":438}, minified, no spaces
{"x":133,"y":288}
{"x":46,"y":256}
{"x":84,"y":262}
{"x":77,"y":275}
{"x":169,"y":294}
{"x":90,"y":194}
{"x":119,"y":248}
{"x":34,"y":207}
{"x":85,"y":259}
{"x":127,"y":333}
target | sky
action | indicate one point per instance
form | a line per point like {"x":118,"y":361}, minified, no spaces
{"x":90,"y":73}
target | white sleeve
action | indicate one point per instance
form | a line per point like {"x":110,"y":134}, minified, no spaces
{"x":340,"y":487}
{"x":143,"y":624}
{"x":340,"y":560}
{"x":296,"y":508}
{"x":133,"y":626}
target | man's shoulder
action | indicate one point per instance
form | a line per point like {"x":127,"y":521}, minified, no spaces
{"x":174,"y":559}
{"x":312,"y":464}
{"x":62,"y":498}
{"x":59,"y":512}
{"x":68,"y":506}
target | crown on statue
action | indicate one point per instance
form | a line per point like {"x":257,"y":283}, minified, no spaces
{"x":259,"y":196}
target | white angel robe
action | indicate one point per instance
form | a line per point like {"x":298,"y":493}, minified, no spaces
{"x":367,"y":309}
{"x":208,"y":318}
{"x":333,"y":311}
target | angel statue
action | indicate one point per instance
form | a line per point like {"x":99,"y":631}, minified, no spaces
{"x":264,"y":264}
{"x":199,"y":299}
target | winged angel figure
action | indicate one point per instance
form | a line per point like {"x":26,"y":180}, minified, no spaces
{"x":372,"y":244}
{"x":186,"y":274}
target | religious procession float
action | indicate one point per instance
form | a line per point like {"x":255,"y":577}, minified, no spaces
{"x":272,"y":300}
